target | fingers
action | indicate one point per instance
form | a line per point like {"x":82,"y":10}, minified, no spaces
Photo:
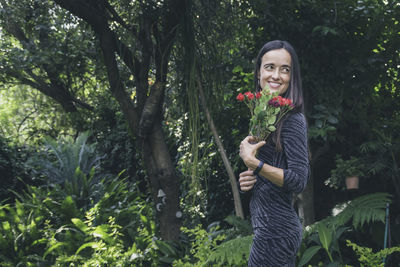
{"x":251,"y":139}
{"x":260,"y":144}
{"x":246,"y":173}
{"x":247,"y":180}
{"x":246,"y":187}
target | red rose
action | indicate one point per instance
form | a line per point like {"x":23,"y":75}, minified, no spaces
{"x":250,"y":96}
{"x":258,"y":95}
{"x":240,"y":97}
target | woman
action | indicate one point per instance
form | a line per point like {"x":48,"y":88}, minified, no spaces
{"x":279,"y":166}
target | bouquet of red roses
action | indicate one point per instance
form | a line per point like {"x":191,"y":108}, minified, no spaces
{"x":266,"y":109}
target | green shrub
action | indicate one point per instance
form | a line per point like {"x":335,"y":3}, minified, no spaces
{"x":368,"y":258}
{"x":217,"y":247}
{"x":42,"y":228}
{"x":321,"y":240}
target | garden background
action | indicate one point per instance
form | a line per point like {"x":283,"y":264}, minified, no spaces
{"x":119,"y":129}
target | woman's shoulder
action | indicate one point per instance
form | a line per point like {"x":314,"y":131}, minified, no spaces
{"x":297,"y":120}
{"x":294,"y":128}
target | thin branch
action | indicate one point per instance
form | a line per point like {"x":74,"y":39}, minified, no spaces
{"x":221,"y":150}
{"x":115,"y":17}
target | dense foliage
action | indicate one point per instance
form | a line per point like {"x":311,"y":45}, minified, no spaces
{"x":70,"y":198}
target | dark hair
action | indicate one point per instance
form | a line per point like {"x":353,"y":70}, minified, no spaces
{"x":294,"y":91}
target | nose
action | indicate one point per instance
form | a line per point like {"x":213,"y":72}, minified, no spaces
{"x":275,"y":74}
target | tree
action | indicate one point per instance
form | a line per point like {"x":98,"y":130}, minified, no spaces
{"x":152,"y":38}
{"x":135,"y":43}
{"x":46,"y":63}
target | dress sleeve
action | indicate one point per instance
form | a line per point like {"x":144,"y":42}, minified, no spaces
{"x":295,"y":149}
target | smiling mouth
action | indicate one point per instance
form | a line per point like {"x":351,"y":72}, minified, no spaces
{"x":274,"y":84}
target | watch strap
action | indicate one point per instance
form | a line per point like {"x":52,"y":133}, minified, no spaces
{"x":259,"y":167}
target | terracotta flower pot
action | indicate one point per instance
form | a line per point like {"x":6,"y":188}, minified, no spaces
{"x":352,"y":182}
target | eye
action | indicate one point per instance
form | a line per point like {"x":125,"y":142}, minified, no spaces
{"x":285,"y":70}
{"x":268,"y":67}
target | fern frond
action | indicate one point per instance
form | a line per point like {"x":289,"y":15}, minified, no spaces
{"x":377,"y":167}
{"x":243,"y":226}
{"x":372,"y":146}
{"x":235,"y":252}
{"x":364,"y":209}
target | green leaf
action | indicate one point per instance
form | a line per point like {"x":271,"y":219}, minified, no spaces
{"x":325,"y":237}
{"x":165,"y":248}
{"x":308,"y":254}
{"x":168,"y":260}
{"x":237,"y":69}
{"x":81,"y":225}
{"x":261,"y":115}
{"x":55,"y":246}
{"x":40,"y":241}
{"x":101,"y":231}
{"x":272,"y":120}
{"x":271,"y":128}
{"x":90,"y":244}
{"x":332,"y":119}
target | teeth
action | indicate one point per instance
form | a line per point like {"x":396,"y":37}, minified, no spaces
{"x":274,"y":84}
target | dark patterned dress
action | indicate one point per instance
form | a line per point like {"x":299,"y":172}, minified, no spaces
{"x":277,"y":228}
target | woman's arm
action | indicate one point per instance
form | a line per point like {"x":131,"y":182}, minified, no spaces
{"x":294,"y":138}
{"x":248,"y":154}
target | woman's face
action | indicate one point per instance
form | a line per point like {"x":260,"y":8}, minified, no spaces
{"x":275,"y":70}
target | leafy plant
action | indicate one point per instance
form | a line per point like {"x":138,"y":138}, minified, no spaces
{"x":67,"y":156}
{"x":344,"y":168}
{"x":361,"y":210}
{"x":21,"y":235}
{"x":102,"y":244}
{"x":73,"y":166}
{"x":234,"y":252}
{"x":219,"y":247}
{"x":382,"y":156}
{"x":201,"y":245}
{"x":326,"y":234}
{"x":328,"y":241}
{"x":7,"y":168}
{"x":325,"y":122}
{"x":367,"y":257}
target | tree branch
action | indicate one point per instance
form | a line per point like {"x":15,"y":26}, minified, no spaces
{"x":221,"y":150}
{"x":117,"y":18}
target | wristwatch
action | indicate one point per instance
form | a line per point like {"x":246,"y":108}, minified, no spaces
{"x":259,"y":167}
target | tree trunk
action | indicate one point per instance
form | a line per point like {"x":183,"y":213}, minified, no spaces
{"x":163,"y":177}
{"x":156,"y":37}
{"x":221,"y":150}
{"x":306,"y":198}
{"x":155,"y":154}
{"x":305,"y":204}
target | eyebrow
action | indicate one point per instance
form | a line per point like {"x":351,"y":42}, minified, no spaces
{"x":284,"y":66}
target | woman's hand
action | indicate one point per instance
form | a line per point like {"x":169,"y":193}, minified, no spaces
{"x":247,"y":180}
{"x":248,"y":151}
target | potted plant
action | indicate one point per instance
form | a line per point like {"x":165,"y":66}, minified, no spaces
{"x":346,"y":174}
